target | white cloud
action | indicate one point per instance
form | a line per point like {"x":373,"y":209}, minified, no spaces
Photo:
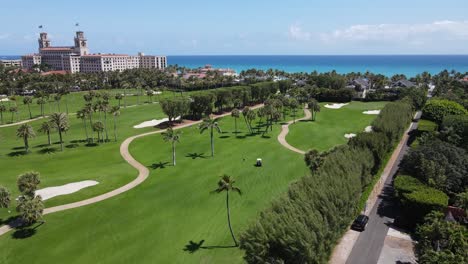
{"x":4,"y":36}
{"x":297,"y":33}
{"x":413,"y":33}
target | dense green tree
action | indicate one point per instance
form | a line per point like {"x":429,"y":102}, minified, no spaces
{"x":2,"y":110}
{"x":175,"y":107}
{"x":172,"y":136}
{"x":118,"y":97}
{"x":454,"y":129}
{"x":441,"y":241}
{"x":294,"y":105}
{"x":437,"y":109}
{"x":227,"y":184}
{"x":210,"y":124}
{"x":60,"y":122}
{"x":25,"y":131}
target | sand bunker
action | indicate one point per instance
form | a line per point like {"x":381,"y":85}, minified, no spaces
{"x":157,"y":92}
{"x":153,"y":122}
{"x":4,"y":100}
{"x":368,"y":129}
{"x":51,"y":192}
{"x":351,"y":135}
{"x":371,"y":112}
{"x":335,"y":106}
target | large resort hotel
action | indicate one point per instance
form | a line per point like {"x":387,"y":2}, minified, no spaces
{"x":78,"y":59}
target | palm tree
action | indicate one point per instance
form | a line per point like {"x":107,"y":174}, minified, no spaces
{"x":2,"y":109}
{"x":82,"y":114}
{"x":150,"y":94}
{"x":172,"y":136}
{"x":41,"y":102}
{"x":235,"y":114}
{"x":30,"y":209}
{"x":119,"y":97}
{"x":25,"y":131}
{"x":60,"y":122}
{"x":45,"y":128}
{"x":27,"y":100}
{"x":226,"y":184}
{"x":314,"y":106}
{"x":115,"y":111}
{"x":27,"y":183}
{"x":211,"y":124}
{"x":99,"y":128}
{"x":13,"y":110}
{"x":4,"y":197}
{"x":57,"y":99}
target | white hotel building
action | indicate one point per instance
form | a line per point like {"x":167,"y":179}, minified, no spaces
{"x":78,"y":59}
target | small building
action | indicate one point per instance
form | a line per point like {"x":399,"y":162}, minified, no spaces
{"x":403,"y":83}
{"x":11,"y":63}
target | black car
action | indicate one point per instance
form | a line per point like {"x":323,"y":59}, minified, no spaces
{"x":360,"y":223}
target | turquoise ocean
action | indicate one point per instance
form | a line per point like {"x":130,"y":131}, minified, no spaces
{"x":409,"y":65}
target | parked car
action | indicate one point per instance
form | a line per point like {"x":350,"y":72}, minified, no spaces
{"x":360,"y":223}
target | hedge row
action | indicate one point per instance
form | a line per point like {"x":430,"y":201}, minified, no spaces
{"x":436,"y":109}
{"x":418,"y":199}
{"x":304,"y":225}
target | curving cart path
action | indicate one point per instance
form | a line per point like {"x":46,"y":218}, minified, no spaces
{"x":22,"y":122}
{"x":143,"y":173}
{"x":285,"y":131}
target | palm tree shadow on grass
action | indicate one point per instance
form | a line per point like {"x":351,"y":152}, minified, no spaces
{"x":196,"y":155}
{"x":17,"y":153}
{"x":193,"y":247}
{"x":160,"y":165}
{"x":47,"y":151}
{"x":25,"y":232}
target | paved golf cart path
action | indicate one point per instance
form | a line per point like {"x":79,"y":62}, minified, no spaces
{"x":22,"y":122}
{"x":285,"y":131}
{"x":143,"y":173}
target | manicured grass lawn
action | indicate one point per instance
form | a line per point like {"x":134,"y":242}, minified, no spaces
{"x":331,"y":126}
{"x":77,"y":162}
{"x":154,"y":222}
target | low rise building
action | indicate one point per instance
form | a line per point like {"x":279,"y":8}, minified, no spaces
{"x":11,"y":63}
{"x":77,"y":58}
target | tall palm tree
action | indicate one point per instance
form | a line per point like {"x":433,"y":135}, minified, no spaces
{"x":27,"y":100}
{"x":57,"y":99}
{"x":172,"y":136}
{"x":211,"y":124}
{"x":236,"y":114}
{"x":2,"y":109}
{"x":45,"y":128}
{"x":99,"y":128}
{"x":118,"y":97}
{"x":25,"y":131}
{"x":82,"y":114}
{"x":13,"y":110}
{"x":4,"y":197}
{"x":226,"y":184}
{"x":115,"y":111}
{"x":60,"y":122}
{"x":314,"y":106}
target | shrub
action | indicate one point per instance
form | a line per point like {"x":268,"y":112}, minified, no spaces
{"x":418,"y":199}
{"x":437,"y":109}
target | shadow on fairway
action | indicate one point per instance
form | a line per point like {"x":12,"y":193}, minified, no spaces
{"x":224,"y":137}
{"x":42,"y":146}
{"x":192,"y":247}
{"x":47,"y":151}
{"x":17,"y":153}
{"x":73,"y":145}
{"x":160,"y":165}
{"x":25,"y":232}
{"x":196,"y":155}
{"x":17,"y":148}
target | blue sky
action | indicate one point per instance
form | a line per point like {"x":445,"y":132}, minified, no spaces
{"x":242,"y":26}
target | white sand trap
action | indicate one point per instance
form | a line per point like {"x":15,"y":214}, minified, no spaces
{"x":371,"y":112}
{"x":335,"y":106}
{"x":153,"y":122}
{"x":351,"y":135}
{"x":368,"y":129}
{"x":4,"y":100}
{"x":157,"y":92}
{"x":73,"y":187}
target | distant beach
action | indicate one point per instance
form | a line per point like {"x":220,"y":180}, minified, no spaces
{"x":409,"y":65}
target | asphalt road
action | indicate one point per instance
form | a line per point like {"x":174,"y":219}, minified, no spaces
{"x":369,"y":244}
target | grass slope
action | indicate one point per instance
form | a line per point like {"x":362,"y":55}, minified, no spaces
{"x":331,"y":126}
{"x":156,"y":221}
